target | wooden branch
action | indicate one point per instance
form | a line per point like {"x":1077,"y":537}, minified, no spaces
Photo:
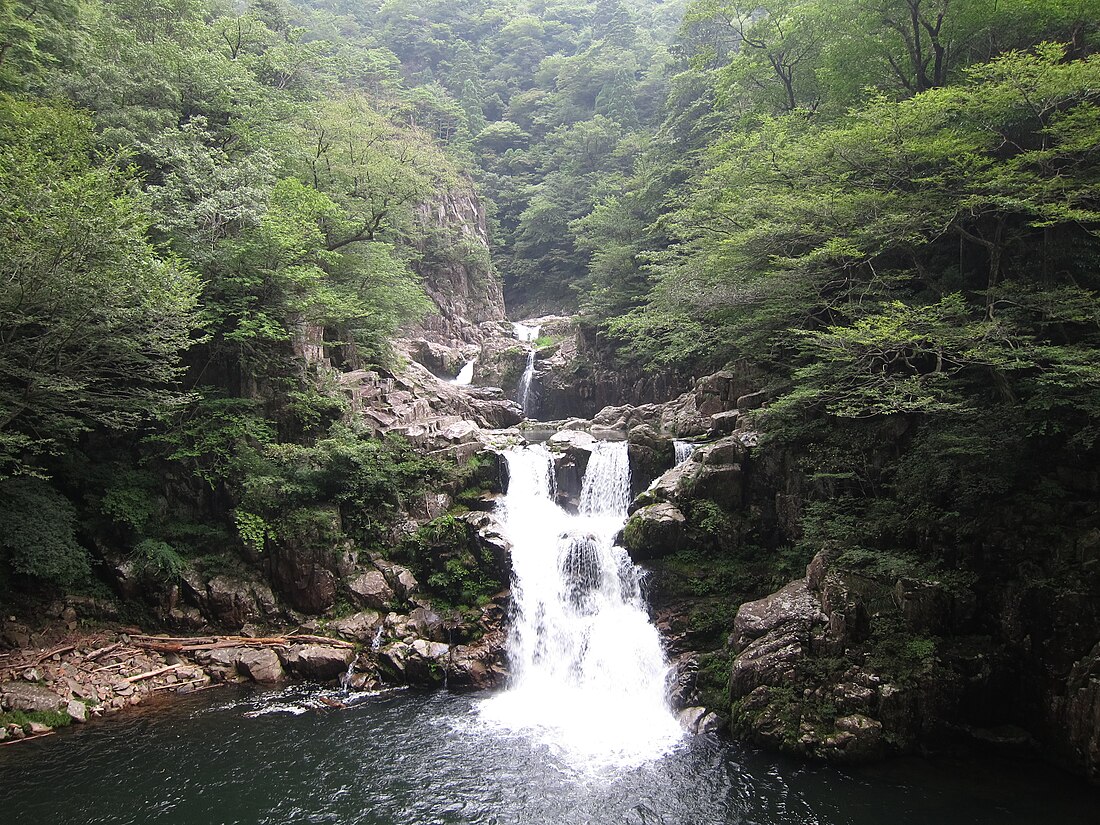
{"x":28,"y":738}
{"x":177,"y":685}
{"x":149,"y":674}
{"x":59,"y":650}
{"x":103,"y":651}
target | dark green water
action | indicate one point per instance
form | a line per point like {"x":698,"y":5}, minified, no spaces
{"x":415,"y":759}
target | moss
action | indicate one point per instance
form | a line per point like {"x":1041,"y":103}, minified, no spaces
{"x":53,"y":718}
{"x":712,"y":680}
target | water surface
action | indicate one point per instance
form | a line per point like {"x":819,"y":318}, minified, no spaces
{"x":416,"y":759}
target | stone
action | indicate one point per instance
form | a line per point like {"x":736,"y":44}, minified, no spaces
{"x":77,"y":711}
{"x":320,"y":662}
{"x":655,"y":531}
{"x":372,"y":590}
{"x":725,"y":422}
{"x":697,"y":720}
{"x":860,"y":738}
{"x":793,"y":606}
{"x":29,"y":697}
{"x":650,"y":454}
{"x":752,"y":400}
{"x":487,"y":535}
{"x":261,"y":665}
{"x":479,"y":665}
{"x":361,"y":627}
{"x":392,"y":660}
{"x":37,"y":728}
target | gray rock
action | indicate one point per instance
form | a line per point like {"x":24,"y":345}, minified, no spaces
{"x":29,"y":697}
{"x":372,"y":590}
{"x":479,"y":665}
{"x":698,"y":720}
{"x":261,"y":665}
{"x":77,"y":711}
{"x":359,"y":627}
{"x":320,"y":662}
{"x":655,"y":531}
{"x":792,"y":608}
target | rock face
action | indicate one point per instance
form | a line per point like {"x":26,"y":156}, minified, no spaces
{"x":578,"y":374}
{"x":455,"y":266}
{"x":712,"y":477}
{"x":774,"y":700}
{"x":306,"y":565}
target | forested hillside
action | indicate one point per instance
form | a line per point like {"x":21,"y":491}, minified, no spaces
{"x":873,"y":222}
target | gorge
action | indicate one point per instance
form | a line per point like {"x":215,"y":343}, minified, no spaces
{"x":549,"y":411}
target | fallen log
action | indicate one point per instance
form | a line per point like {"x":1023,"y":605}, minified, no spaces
{"x":149,"y":674}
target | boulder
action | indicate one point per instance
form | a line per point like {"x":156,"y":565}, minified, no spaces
{"x":77,"y":711}
{"x":426,"y":663}
{"x":372,"y":590}
{"x":392,"y":660}
{"x":650,"y":454}
{"x":655,"y":531}
{"x":698,"y":720}
{"x":361,"y":627}
{"x":479,"y":665}
{"x":261,"y":665}
{"x":320,"y":662}
{"x":857,"y":738}
{"x":791,"y":610}
{"x":29,"y":697}
{"x":233,"y":602}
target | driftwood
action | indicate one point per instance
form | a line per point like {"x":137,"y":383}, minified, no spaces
{"x":103,"y":651}
{"x":53,"y":653}
{"x":178,"y":685}
{"x":27,"y":738}
{"x":149,"y":674}
{"x":192,"y":644}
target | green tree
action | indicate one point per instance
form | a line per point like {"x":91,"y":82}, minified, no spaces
{"x":93,"y":318}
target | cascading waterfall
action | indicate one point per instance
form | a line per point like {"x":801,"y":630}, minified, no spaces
{"x":527,"y":334}
{"x":684,"y":449}
{"x":588,"y":671}
{"x":525,"y":384}
{"x":466,"y":375}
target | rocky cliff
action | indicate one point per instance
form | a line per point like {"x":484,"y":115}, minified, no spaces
{"x":452,"y":239}
{"x":832,"y":658}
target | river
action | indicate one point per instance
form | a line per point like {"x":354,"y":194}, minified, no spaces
{"x":239,"y":756}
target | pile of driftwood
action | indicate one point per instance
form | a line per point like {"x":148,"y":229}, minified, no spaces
{"x":192,"y":644}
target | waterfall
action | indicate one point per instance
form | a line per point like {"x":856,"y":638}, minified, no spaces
{"x":527,"y":334}
{"x":588,"y":670}
{"x":684,"y":449}
{"x":466,"y":374}
{"x":525,"y":384}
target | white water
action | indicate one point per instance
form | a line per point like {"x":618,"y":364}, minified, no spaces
{"x":684,"y":449}
{"x":588,"y":671}
{"x":527,"y":334}
{"x":525,"y":384}
{"x":466,"y":374}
